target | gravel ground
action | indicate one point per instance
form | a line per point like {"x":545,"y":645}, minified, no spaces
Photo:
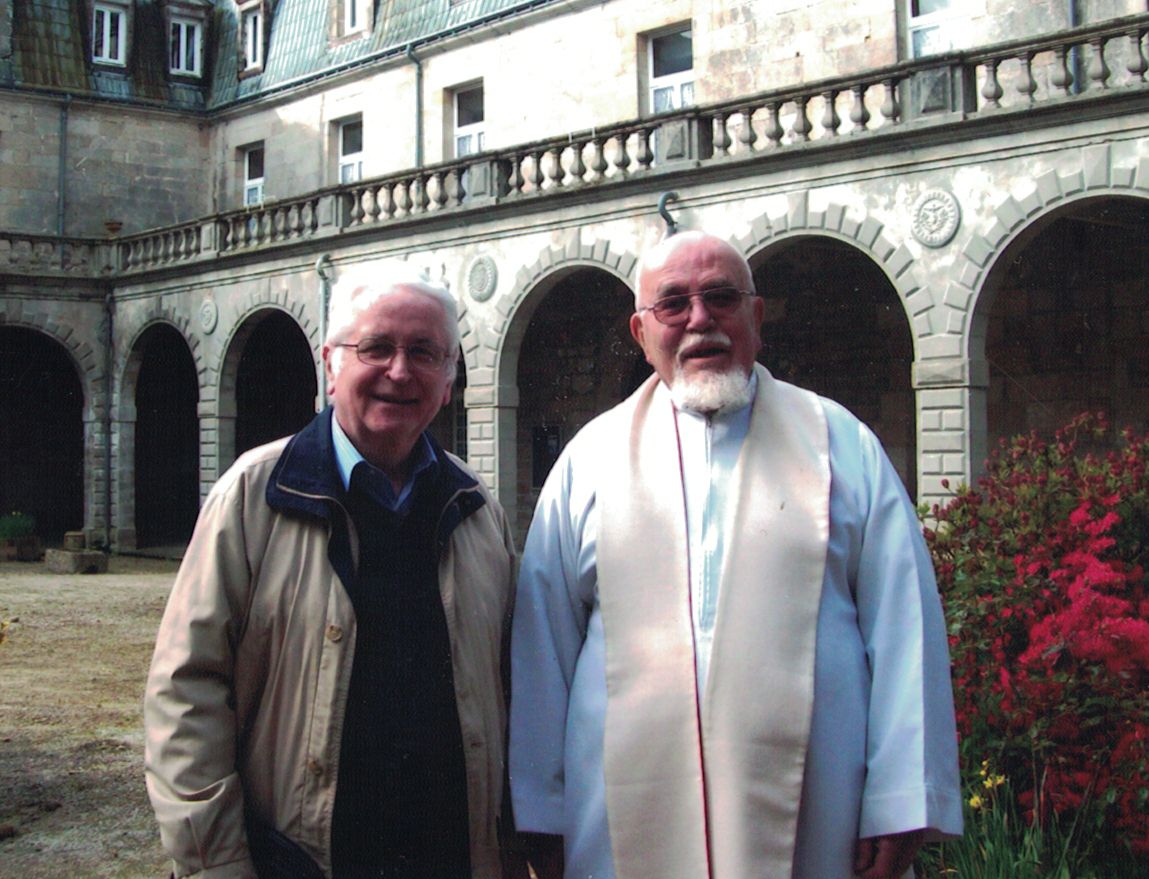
{"x":72,"y":672}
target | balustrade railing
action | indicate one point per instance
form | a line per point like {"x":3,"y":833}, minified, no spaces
{"x":48,"y":255}
{"x":1083,"y":64}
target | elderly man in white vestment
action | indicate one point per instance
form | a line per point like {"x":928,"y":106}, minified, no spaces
{"x":728,"y":653}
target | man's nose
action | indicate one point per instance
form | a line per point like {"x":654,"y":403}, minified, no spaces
{"x":698,"y":317}
{"x":399,"y":369}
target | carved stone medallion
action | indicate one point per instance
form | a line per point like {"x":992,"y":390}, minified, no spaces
{"x":936,"y":216}
{"x":208,"y":316}
{"x":482,"y":276}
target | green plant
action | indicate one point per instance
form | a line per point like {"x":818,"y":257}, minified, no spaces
{"x":1000,"y":843}
{"x":16,"y":524}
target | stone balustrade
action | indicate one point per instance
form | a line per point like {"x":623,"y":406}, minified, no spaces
{"x":1086,"y":64}
{"x":39,"y":255}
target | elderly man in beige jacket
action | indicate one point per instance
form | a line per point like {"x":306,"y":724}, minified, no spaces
{"x":326,"y":697}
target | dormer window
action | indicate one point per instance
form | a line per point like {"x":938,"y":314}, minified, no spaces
{"x":354,"y":17}
{"x":251,"y":26}
{"x":109,"y":34}
{"x":186,"y":47}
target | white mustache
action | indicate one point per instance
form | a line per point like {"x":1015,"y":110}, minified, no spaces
{"x":713,"y":337}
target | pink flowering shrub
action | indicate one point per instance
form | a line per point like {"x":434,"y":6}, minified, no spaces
{"x":1042,"y":568}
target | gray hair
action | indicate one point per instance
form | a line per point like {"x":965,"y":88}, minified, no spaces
{"x":359,"y":287}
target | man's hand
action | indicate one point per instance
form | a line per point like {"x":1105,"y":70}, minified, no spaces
{"x":887,"y":857}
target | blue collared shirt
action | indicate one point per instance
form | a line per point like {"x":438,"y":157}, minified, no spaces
{"x":347,"y":458}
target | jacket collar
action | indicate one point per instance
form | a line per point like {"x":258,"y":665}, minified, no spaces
{"x":306,"y":479}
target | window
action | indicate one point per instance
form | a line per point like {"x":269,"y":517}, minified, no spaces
{"x":671,"y":58}
{"x":350,"y":151}
{"x":186,"y":47}
{"x":252,"y":39}
{"x":469,"y":134}
{"x":930,"y":26}
{"x":109,"y":34}
{"x":353,"y":16}
{"x":253,"y":175}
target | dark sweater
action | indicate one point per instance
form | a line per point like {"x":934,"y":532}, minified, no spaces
{"x":401,"y":803}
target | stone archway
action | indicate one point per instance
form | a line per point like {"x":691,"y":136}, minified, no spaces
{"x":268,"y":383}
{"x":275,"y":386}
{"x":852,"y":317}
{"x":166,"y":438}
{"x":834,"y":325}
{"x":1037,"y":214}
{"x":577,"y":360}
{"x":1066,"y":326}
{"x":499,"y":400}
{"x":41,"y":432}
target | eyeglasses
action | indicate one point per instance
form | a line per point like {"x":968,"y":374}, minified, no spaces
{"x":377,"y":351}
{"x":674,"y":311}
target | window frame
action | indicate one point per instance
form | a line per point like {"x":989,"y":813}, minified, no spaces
{"x":937,"y":21}
{"x":253,"y":185}
{"x":678,"y":81}
{"x":472,"y":130}
{"x":251,"y":38}
{"x":102,"y":35}
{"x":349,"y":162}
{"x":184,"y":23}
{"x":354,"y":17}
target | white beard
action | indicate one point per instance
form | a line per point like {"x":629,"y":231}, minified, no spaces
{"x":710,"y":392}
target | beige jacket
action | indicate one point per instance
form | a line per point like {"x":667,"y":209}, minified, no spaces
{"x":245,"y":698}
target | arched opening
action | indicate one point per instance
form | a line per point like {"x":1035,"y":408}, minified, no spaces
{"x":835,"y":325}
{"x":275,"y":384}
{"x":167,"y":439}
{"x":450,"y":426}
{"x":1067,"y":330}
{"x":576,"y":361}
{"x":41,"y":433}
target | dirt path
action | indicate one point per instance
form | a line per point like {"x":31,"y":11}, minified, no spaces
{"x":71,"y":746}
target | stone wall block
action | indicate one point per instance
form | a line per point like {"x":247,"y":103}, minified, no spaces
{"x":760,"y":229}
{"x":1010,"y":214}
{"x":1049,"y":187}
{"x":1030,"y":203}
{"x":798,"y":210}
{"x":626,"y":266}
{"x":899,"y":261}
{"x":1073,"y":183}
{"x":958,"y":296}
{"x":1095,"y":166}
{"x":869,"y":231}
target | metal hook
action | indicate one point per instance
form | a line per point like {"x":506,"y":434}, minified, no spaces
{"x":671,"y":224}
{"x":323,"y":267}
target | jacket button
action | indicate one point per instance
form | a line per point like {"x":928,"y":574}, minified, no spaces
{"x":315,"y":766}
{"x":334,"y":633}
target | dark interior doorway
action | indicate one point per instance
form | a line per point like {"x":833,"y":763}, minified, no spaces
{"x":167,"y":439}
{"x":275,"y":384}
{"x":41,"y":433}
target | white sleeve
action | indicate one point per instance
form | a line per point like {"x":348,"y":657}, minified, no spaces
{"x":553,"y":602}
{"x":911,"y":748}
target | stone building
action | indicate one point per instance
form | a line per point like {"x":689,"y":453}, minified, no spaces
{"x":944,"y":204}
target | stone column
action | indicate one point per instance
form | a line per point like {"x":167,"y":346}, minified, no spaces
{"x":951,"y":400}
{"x":492,"y":422}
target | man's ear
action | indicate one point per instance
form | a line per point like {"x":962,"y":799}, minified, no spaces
{"x":328,"y":369}
{"x":637,"y":331}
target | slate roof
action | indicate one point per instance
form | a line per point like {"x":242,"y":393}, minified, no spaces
{"x":50,"y":47}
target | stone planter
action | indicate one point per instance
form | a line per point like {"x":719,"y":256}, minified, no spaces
{"x":21,"y":549}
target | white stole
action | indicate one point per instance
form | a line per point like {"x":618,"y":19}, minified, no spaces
{"x":733,"y":813}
